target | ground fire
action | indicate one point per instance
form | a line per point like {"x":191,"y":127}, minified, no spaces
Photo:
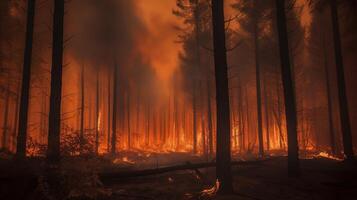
{"x":178,"y":99}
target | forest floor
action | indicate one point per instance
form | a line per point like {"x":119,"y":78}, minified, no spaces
{"x":320,"y":179}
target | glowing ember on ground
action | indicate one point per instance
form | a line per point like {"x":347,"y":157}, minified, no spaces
{"x":328,"y":156}
{"x":210,"y":192}
{"x":123,"y":160}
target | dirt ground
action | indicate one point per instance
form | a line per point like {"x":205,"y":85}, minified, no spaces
{"x":321,"y":179}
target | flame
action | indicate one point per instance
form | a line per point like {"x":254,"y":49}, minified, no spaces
{"x":124,"y":160}
{"x":328,"y":156}
{"x":211,"y":192}
{"x":99,"y":122}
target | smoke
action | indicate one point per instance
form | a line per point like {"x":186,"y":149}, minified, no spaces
{"x":109,"y":34}
{"x":105,"y":30}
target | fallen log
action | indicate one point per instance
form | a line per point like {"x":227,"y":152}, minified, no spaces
{"x":119,"y":175}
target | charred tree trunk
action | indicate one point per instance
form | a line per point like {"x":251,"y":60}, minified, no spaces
{"x":6,"y":118}
{"x":290,"y":102}
{"x":240,"y":123}
{"x":137,"y":129}
{"x":329,"y":100}
{"x":148,"y":111}
{"x":16,"y":120}
{"x":109,"y":116}
{"x":343,"y":102}
{"x":258,"y":85}
{"x":177,"y":129}
{"x":247,"y":111}
{"x":198,"y":67}
{"x":43,"y":118}
{"x":81,"y":131}
{"x":223,"y":157}
{"x":203,"y":128}
{"x":194,"y":113}
{"x":54,"y":129}
{"x":209,"y":118}
{"x":25,"y":85}
{"x":128,"y":120}
{"x":97,"y":112}
{"x":115,"y":105}
{"x":266,"y":110}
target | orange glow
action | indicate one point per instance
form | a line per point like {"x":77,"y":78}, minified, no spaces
{"x":159,"y":47}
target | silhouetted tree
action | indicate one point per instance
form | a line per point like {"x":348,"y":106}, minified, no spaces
{"x":223,"y":151}
{"x":344,"y":115}
{"x":82,"y":109}
{"x":5,"y":127}
{"x":97,"y":112}
{"x":54,"y":129}
{"x":25,"y":85}
{"x":115,"y":106}
{"x":288,"y":85}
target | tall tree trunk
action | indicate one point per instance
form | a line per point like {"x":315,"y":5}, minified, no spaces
{"x":194,"y":113}
{"x":147,"y":124}
{"x":6,"y":118}
{"x":177,"y":129}
{"x":266,"y":110}
{"x":137,"y":129}
{"x":258,"y":86}
{"x":97,"y":112}
{"x":115,"y":110}
{"x":43,"y":118}
{"x":203,"y":128}
{"x":247,"y":111}
{"x":196,"y":71}
{"x":25,"y":85}
{"x":128,"y":118}
{"x":223,"y":157}
{"x":329,"y":100}
{"x":344,"y":115}
{"x":54,"y":129}
{"x":290,"y":103}
{"x":16,"y":120}
{"x":209,"y":117}
{"x":109,"y":116}
{"x":81,"y":131}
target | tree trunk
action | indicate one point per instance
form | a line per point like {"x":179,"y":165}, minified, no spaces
{"x":194,"y":113}
{"x":258,"y":86}
{"x":177,"y":129}
{"x":128,"y":119}
{"x":209,"y":118}
{"x":115,"y":103}
{"x":223,"y":150}
{"x":43,"y":118}
{"x":54,"y":129}
{"x":109,"y":116}
{"x":6,"y":118}
{"x":266,"y":114}
{"x":196,"y":71}
{"x":247,"y":111}
{"x":25,"y":85}
{"x":329,"y":100}
{"x":148,"y":123}
{"x":97,"y":112}
{"x":344,"y":115}
{"x":81,"y":131}
{"x":290,"y":104}
{"x":203,"y":128}
{"x":16,"y":120}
